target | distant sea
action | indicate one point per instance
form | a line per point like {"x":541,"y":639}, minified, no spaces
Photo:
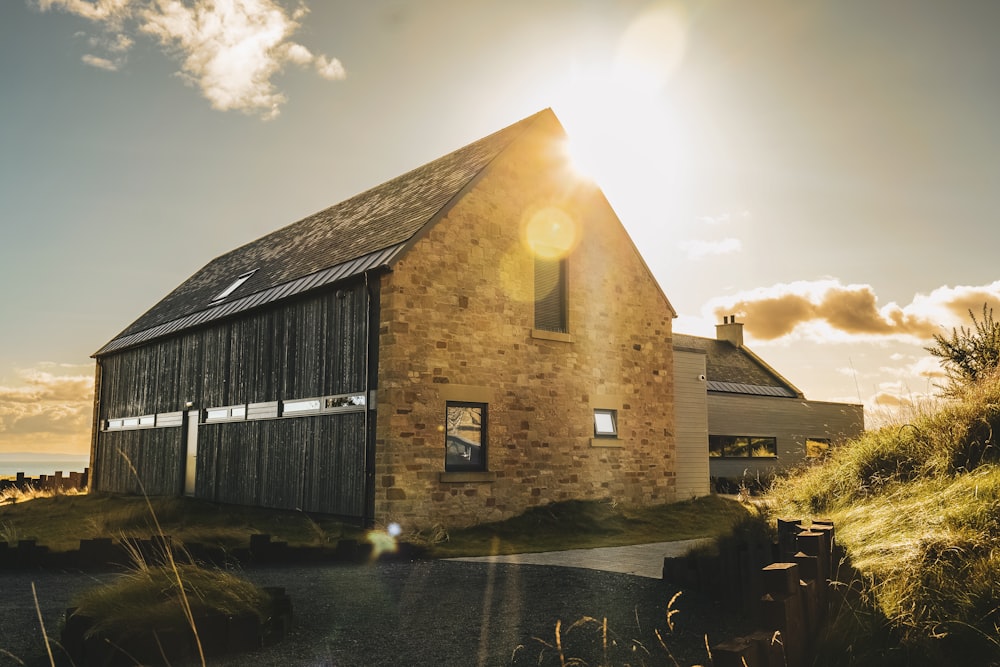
{"x":34,"y":465}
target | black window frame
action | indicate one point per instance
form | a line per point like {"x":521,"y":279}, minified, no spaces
{"x":740,"y":446}
{"x":450,"y":465}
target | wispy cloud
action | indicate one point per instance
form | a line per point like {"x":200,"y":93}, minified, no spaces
{"x":48,"y":409}
{"x":696,"y":249}
{"x":229,"y":49}
{"x":100,"y":63}
{"x":829,"y":311}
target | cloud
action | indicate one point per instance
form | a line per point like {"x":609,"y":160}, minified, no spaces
{"x":696,"y":249}
{"x":828,"y":311}
{"x":47,"y":411}
{"x":229,"y":49}
{"x":100,"y":63}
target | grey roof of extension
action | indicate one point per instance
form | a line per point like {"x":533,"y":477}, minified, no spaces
{"x":367,"y":231}
{"x":734,"y":370}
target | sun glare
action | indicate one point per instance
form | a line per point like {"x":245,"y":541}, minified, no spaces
{"x":616,"y":114}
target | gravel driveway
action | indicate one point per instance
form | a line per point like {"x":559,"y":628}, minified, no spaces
{"x":423,"y":613}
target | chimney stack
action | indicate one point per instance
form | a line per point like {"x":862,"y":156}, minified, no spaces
{"x":730,"y":330}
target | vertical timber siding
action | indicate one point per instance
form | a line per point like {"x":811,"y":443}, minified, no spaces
{"x":311,"y":347}
{"x":691,"y":410}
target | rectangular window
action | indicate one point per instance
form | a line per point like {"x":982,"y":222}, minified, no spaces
{"x":605,"y":423}
{"x":115,"y":424}
{"x":465,"y":436}
{"x":227,"y":413}
{"x":742,"y":446}
{"x":300,"y":406}
{"x":817,"y":448}
{"x":550,"y":295}
{"x":147,"y":421}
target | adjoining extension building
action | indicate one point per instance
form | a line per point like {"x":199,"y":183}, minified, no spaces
{"x":463,"y":342}
{"x":755,"y":421}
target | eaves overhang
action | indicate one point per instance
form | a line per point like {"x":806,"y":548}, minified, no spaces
{"x":750,"y":389}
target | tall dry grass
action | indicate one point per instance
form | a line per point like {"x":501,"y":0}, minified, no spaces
{"x":917,"y":505}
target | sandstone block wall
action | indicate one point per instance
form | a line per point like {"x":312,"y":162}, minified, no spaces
{"x":457,"y":324}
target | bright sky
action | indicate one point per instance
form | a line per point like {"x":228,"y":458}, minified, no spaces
{"x":828,"y":170}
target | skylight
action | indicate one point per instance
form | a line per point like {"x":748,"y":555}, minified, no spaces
{"x":235,"y":285}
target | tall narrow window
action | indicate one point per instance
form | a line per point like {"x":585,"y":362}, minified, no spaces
{"x":465,"y":436}
{"x":550,"y":294}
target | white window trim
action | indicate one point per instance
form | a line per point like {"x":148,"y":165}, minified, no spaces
{"x":226,"y":413}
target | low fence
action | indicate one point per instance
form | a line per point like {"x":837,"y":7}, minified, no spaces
{"x":74,"y":481}
{"x":785,"y":585}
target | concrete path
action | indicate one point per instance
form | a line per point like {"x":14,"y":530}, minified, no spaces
{"x":641,"y":560}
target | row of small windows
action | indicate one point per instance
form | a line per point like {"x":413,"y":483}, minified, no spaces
{"x":244,"y":411}
{"x":745,"y":446}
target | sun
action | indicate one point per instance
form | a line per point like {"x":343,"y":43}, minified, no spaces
{"x":617,"y":114}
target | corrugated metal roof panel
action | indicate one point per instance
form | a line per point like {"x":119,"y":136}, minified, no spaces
{"x":322,"y":278}
{"x":754,"y":389}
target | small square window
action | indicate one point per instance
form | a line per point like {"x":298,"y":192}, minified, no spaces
{"x":606,"y":423}
{"x":465,"y":436}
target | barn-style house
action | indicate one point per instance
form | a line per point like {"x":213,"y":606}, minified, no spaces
{"x":465,"y":341}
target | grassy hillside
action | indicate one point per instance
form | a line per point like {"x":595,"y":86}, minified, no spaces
{"x":917,"y":505}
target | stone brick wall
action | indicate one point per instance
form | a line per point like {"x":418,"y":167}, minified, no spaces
{"x":456,"y":324}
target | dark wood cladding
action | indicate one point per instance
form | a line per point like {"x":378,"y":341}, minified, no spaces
{"x":309,"y":347}
{"x":315,"y":463}
{"x":141,"y":461}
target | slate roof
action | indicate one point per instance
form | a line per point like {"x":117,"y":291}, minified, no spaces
{"x":736,"y":370}
{"x":364,"y":232}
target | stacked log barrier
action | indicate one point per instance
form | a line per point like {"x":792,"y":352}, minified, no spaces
{"x":794,"y":594}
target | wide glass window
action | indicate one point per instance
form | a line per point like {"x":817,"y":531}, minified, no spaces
{"x":742,"y":446}
{"x":465,"y":436}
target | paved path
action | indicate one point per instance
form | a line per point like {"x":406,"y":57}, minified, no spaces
{"x":642,"y":560}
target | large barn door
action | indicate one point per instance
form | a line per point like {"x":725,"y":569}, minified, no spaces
{"x":191,"y":460}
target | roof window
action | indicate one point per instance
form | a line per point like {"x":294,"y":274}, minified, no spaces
{"x":235,"y":285}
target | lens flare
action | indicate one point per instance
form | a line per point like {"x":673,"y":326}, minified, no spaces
{"x":549,"y":232}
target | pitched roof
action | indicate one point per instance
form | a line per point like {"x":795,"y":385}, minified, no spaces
{"x":737,"y":370}
{"x":364,"y":232}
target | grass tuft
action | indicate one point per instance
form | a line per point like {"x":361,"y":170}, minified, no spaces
{"x":149,"y":599}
